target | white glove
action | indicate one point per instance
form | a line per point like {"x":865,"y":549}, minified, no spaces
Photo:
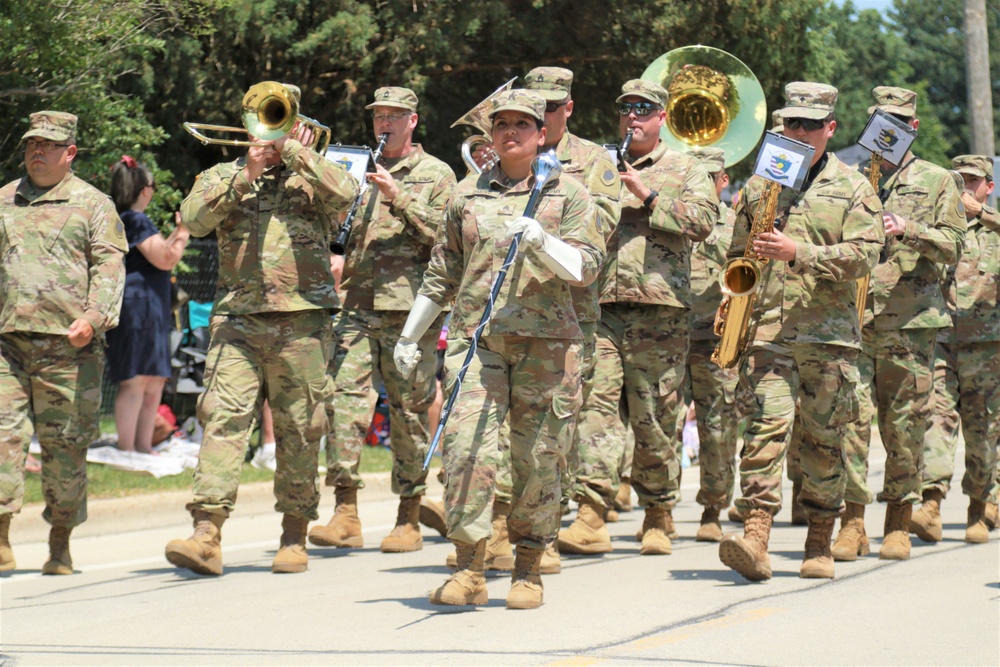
{"x":552,"y":252}
{"x":422,"y":315}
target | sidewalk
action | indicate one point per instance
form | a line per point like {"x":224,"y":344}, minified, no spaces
{"x":156,"y":510}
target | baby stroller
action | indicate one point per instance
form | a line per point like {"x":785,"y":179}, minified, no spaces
{"x":189,"y":348}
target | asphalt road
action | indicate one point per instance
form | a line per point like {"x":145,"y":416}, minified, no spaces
{"x":127,"y":606}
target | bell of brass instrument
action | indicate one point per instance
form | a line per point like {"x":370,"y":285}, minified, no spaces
{"x":715,"y":100}
{"x":874,"y":174}
{"x":479,"y":118}
{"x":339,"y":245}
{"x":269,"y":111}
{"x":741,"y":280}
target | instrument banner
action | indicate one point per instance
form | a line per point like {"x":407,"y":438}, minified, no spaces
{"x":783,"y":160}
{"x":888,"y":136}
{"x":354,"y":159}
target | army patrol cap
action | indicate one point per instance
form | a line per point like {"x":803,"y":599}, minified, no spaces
{"x":519,"y":99}
{"x":713,"y":159}
{"x":806,"y":99}
{"x":552,"y":83}
{"x":647,"y":90}
{"x":54,"y":125}
{"x":394,"y":96}
{"x":777,"y":125}
{"x":974,"y":165}
{"x":891,"y":99}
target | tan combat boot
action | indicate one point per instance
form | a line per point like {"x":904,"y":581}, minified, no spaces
{"x":7,"y":561}
{"x":799,"y":517}
{"x":976,"y":531}
{"x":851,"y":540}
{"x":202,"y":552}
{"x":623,"y":499}
{"x":991,"y":515}
{"x":747,"y":553}
{"x":710,"y":529}
{"x":526,"y":581}
{"x":432,"y":515}
{"x":611,"y":515}
{"x":468,"y":584}
{"x":344,"y":529}
{"x":818,"y":560}
{"x":292,"y":556}
{"x":406,"y":535}
{"x":59,"y":561}
{"x":896,"y":543}
{"x":657,"y":528}
{"x":550,"y":563}
{"x":499,"y":553}
{"x":926,"y":522}
{"x":588,"y":533}
{"x":734,"y":515}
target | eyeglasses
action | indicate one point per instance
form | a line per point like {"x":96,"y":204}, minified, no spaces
{"x":152,"y":185}
{"x":389,"y":117}
{"x":807,"y":124}
{"x":45,"y":146}
{"x":550,"y":107}
{"x":640,"y":108}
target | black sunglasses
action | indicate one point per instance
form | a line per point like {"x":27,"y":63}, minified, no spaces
{"x":640,"y":108}
{"x":552,"y":106}
{"x":807,"y":124}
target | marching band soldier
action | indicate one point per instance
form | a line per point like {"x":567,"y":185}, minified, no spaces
{"x":526,"y":366}
{"x":274,"y":213}
{"x":967,"y":369}
{"x":807,"y":337}
{"x":924,"y":226}
{"x":710,"y":387}
{"x":62,"y":277}
{"x":385,"y":258}
{"x":642,"y":335}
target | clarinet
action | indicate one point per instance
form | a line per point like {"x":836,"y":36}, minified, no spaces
{"x":339,"y":244}
{"x":623,"y":149}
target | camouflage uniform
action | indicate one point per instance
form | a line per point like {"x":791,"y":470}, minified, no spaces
{"x":711,"y":388}
{"x":967,"y":367}
{"x":834,"y":222}
{"x":62,"y":251}
{"x":642,"y":336}
{"x":904,"y":311}
{"x":385,"y":258}
{"x":528,"y":360}
{"x":270,"y":322}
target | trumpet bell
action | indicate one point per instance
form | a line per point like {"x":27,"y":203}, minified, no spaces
{"x":714,"y":100}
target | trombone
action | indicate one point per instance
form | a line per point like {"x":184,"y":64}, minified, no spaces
{"x":269,"y":111}
{"x":479,"y":118}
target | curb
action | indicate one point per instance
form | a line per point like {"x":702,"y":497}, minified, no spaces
{"x":157,"y":510}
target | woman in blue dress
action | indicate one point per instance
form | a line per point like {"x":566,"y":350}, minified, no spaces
{"x":139,"y":348}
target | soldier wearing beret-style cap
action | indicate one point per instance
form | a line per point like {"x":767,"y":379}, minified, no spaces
{"x":667,"y":202}
{"x":62,"y":282}
{"x":925,"y":225}
{"x":805,"y":332}
{"x":526,"y":359}
{"x":383,"y":262}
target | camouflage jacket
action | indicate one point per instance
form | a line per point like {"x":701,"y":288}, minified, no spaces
{"x":471,"y":249}
{"x":649,"y":256}
{"x":837,"y":228}
{"x":273,"y":234}
{"x":590,"y":164}
{"x":62,"y":256}
{"x":391,"y":243}
{"x":707,"y":260}
{"x":905,"y":290}
{"x":971,"y":289}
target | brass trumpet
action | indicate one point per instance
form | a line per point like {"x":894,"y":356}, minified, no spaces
{"x":269,"y":111}
{"x":479,"y":118}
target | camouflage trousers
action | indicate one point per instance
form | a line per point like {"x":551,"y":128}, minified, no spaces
{"x":587,"y":363}
{"x":364,"y":341}
{"x":535,"y":382}
{"x":896,"y":370}
{"x":638,"y":371}
{"x":966,"y":389}
{"x":280,"y":357}
{"x":53,"y":388}
{"x":712,"y":390}
{"x":823,"y":379}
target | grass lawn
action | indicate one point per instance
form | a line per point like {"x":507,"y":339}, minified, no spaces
{"x":105,"y":482}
